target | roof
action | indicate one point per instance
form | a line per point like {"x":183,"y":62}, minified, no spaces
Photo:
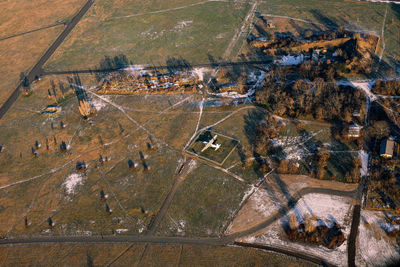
{"x":387,"y":147}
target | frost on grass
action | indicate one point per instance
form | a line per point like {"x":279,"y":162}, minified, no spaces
{"x":72,"y":181}
{"x":294,"y":147}
{"x":291,"y":60}
{"x":98,"y":104}
{"x":374,"y":247}
{"x":261,"y":205}
{"x":328,"y":209}
{"x":364,"y":162}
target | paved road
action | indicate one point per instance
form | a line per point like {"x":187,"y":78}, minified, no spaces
{"x":351,"y":247}
{"x":293,"y":253}
{"x":38,"y":68}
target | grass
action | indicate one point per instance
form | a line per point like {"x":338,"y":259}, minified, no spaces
{"x":19,"y":54}
{"x":22,"y":15}
{"x":204,"y":203}
{"x":194,"y":33}
{"x":68,"y":254}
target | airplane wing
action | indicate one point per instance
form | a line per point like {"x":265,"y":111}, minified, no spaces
{"x":209,"y":143}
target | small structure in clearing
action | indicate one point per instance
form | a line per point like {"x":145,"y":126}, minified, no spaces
{"x":387,"y":148}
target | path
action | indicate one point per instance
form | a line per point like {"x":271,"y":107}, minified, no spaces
{"x":31,"y":31}
{"x":383,"y":35}
{"x":37,"y":69}
{"x":187,"y":168}
{"x":236,"y":37}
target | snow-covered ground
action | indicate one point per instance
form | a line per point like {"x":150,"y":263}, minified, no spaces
{"x":72,"y":181}
{"x":261,"y":205}
{"x":325,"y":207}
{"x":200,"y":72}
{"x":258,"y":83}
{"x":364,"y":86}
{"x":374,"y":247}
{"x":364,"y":162}
{"x":293,"y":146}
{"x":98,"y":104}
{"x":291,"y":60}
{"x":381,"y":1}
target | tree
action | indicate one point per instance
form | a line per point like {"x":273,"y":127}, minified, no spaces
{"x":308,"y":34}
{"x":283,"y":166}
{"x":242,"y":83}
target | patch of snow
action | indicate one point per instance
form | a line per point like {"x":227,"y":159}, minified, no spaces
{"x":325,"y":207}
{"x":183,"y":24}
{"x":291,"y":60}
{"x":86,"y":233}
{"x":200,"y":72}
{"x":119,"y":231}
{"x":247,"y":194}
{"x":98,"y":104}
{"x":364,"y":86}
{"x":265,"y":203}
{"x":374,"y":247}
{"x":72,"y":181}
{"x":364,"y":162}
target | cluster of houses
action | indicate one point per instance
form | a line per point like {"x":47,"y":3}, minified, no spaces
{"x":154,"y":82}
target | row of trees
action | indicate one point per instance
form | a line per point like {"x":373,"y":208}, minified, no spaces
{"x":387,"y":87}
{"x":322,"y":100}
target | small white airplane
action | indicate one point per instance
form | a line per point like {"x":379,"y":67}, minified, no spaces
{"x":211,"y":144}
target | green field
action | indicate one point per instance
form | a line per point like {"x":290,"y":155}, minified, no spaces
{"x":204,"y":204}
{"x":193,"y":32}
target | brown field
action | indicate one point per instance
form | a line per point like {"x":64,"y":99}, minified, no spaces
{"x":20,"y":54}
{"x":18,"y":16}
{"x":132,"y":254}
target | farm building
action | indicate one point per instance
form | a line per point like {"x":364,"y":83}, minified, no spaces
{"x":354,"y":131}
{"x":387,"y":148}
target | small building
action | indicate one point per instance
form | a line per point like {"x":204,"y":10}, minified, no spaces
{"x":387,"y":148}
{"x":354,"y":131}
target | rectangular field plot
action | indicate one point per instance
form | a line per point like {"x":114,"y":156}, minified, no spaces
{"x":218,"y":152}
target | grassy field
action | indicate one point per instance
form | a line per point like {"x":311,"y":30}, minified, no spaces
{"x":204,"y":204}
{"x":126,"y":254}
{"x":193,"y":32}
{"x":122,"y":139}
{"x":19,"y":54}
{"x":20,"y":16}
{"x":348,"y":13}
